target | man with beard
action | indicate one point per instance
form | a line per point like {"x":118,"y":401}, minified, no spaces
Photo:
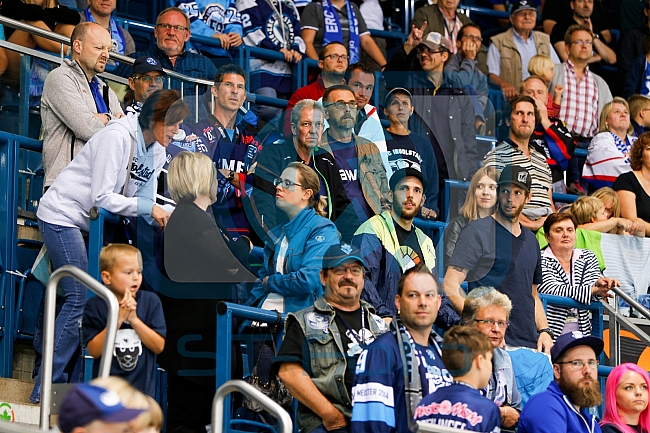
{"x":360,"y":163}
{"x":563,"y":407}
{"x":391,"y":244}
{"x":498,"y":252}
{"x":517,"y":150}
{"x":326,"y":339}
{"x":404,"y":365}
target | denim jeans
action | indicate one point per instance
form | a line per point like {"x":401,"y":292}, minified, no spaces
{"x":66,"y":246}
{"x":574,"y":170}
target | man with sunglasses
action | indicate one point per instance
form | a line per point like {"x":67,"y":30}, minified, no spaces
{"x":563,"y":407}
{"x":326,"y":339}
{"x":445,"y":115}
{"x":360,"y":163}
{"x":392,"y":244}
{"x":147,"y":76}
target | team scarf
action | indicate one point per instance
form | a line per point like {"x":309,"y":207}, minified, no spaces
{"x":622,"y":146}
{"x":117,"y":36}
{"x":333,"y":28}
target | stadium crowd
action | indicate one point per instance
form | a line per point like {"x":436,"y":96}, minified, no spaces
{"x":311,"y":211}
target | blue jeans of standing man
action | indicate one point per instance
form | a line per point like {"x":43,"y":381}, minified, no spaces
{"x":66,"y":246}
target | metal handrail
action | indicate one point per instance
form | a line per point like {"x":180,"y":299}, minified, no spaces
{"x":284,"y":420}
{"x":616,"y":319}
{"x":48,"y":331}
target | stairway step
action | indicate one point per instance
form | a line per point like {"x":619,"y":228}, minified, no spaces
{"x":16,"y":391}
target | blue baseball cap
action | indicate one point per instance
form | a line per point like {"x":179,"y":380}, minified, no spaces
{"x":87,"y":403}
{"x":341,"y":253}
{"x":572,"y":339}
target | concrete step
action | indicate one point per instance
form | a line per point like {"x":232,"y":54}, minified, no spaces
{"x":14,"y":402}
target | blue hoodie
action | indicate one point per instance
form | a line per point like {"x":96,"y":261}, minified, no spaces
{"x":551,"y":412}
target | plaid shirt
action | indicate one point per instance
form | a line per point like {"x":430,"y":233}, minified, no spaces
{"x":579,"y":108}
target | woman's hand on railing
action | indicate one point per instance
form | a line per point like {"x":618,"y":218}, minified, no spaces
{"x":603,"y":286}
{"x":234,"y":39}
{"x":291,"y":56}
{"x":223,"y":39}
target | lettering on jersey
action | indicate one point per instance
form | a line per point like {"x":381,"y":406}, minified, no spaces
{"x":140,"y":173}
{"x":445,"y":407}
{"x":330,"y":21}
{"x":215,"y":16}
{"x":208,"y":133}
{"x":279,"y":32}
{"x":372,"y":392}
{"x":348,"y":175}
{"x":191,"y":9}
{"x":236,"y":166}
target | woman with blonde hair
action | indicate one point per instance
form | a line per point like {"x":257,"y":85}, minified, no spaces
{"x":608,"y":153}
{"x":289,"y":279}
{"x":480,"y":202}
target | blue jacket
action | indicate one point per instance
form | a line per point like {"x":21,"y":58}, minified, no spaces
{"x":309,"y":236}
{"x":551,"y":412}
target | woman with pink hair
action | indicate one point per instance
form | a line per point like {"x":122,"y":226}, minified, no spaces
{"x":626,"y":400}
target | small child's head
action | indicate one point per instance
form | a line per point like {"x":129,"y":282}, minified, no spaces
{"x":121,"y":268}
{"x":467,"y":351}
{"x":131,"y":398}
{"x":91,"y":408}
{"x":542,"y":66}
{"x":155,"y":415}
{"x":610,"y":200}
{"x":588,"y":209}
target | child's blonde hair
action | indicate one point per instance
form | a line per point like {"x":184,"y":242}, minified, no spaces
{"x":539,"y":64}
{"x":606,"y":195}
{"x":131,"y":398}
{"x":155,"y":414}
{"x":110,"y":253}
{"x":585,"y":209}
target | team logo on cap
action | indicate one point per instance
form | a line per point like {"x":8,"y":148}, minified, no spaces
{"x":522,"y":176}
{"x":152,"y":61}
{"x":346,"y":248}
{"x":577,"y":334}
{"x":109,"y":398}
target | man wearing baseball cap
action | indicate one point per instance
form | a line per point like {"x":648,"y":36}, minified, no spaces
{"x":445,"y":115}
{"x":563,"y":407}
{"x":510,"y":52}
{"x":93,"y":409}
{"x":315,"y":336}
{"x":391,"y":244}
{"x":498,"y":252}
{"x":147,"y":76}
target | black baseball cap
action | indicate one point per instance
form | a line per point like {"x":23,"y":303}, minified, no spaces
{"x":515,"y":175}
{"x":522,"y":5}
{"x":572,"y":339}
{"x":86,"y":403}
{"x":403,"y":173}
{"x":397,"y":91}
{"x":145,"y":64}
{"x":341,"y":253}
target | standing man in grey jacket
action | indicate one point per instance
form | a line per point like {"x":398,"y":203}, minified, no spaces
{"x":76,"y":103}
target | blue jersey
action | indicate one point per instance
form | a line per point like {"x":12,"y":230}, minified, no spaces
{"x":459,"y":406}
{"x":271,"y":24}
{"x":208,"y":17}
{"x":378,"y":393}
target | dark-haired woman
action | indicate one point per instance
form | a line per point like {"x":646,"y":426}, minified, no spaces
{"x":633,"y":188}
{"x":98,"y":176}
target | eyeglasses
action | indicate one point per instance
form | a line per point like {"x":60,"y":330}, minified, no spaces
{"x":473,"y":38}
{"x":337,"y":57}
{"x":168,"y":27}
{"x":490,"y":322}
{"x":148,"y":79}
{"x":428,"y":51}
{"x":286,"y":183}
{"x":309,"y":125}
{"x":579,"y":365}
{"x":580,"y":43}
{"x":340,"y":105}
{"x":356,"y":270}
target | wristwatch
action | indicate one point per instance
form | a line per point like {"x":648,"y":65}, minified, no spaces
{"x":231,"y":175}
{"x":549,"y":331}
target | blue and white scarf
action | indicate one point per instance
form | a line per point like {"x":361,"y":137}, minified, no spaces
{"x":333,"y":28}
{"x":622,"y":146}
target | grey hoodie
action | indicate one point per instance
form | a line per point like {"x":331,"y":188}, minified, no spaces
{"x":67,"y":111}
{"x":96,"y":177}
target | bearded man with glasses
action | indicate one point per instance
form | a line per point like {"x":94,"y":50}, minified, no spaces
{"x":563,"y":407}
{"x":327,"y":339}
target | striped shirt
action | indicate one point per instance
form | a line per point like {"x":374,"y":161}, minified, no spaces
{"x":508,"y":153}
{"x":579,"y":109}
{"x":577,"y":286}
